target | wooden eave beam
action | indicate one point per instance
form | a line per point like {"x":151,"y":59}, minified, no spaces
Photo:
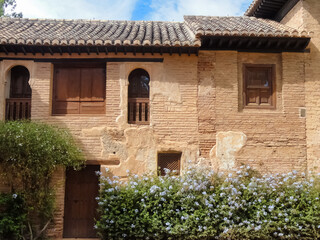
{"x":24,"y":50}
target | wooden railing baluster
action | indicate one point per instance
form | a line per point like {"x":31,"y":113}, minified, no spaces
{"x":18,"y":108}
{"x":138,"y":110}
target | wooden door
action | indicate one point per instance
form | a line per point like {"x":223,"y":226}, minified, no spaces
{"x":82,"y":187}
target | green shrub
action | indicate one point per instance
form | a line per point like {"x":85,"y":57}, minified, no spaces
{"x":12,"y":216}
{"x":204,"y":205}
{"x":29,"y":154}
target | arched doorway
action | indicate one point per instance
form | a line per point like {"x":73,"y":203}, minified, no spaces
{"x":18,"y":105}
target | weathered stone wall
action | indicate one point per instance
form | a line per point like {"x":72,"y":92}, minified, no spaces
{"x":306,"y":16}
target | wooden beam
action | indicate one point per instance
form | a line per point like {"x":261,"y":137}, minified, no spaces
{"x":106,"y":50}
{"x":240,"y":43}
{"x":42,"y":51}
{"x":230,"y":43}
{"x":60,"y":50}
{"x":97,"y":50}
{"x":249,"y":43}
{"x":259,"y":43}
{"x":285,"y":9}
{"x":24,"y":50}
{"x":50,"y":50}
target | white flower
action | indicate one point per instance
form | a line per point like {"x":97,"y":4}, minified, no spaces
{"x":14,"y":196}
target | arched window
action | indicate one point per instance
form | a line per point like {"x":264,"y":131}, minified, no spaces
{"x":19,"y":83}
{"x":138,"y":97}
{"x":18,"y":105}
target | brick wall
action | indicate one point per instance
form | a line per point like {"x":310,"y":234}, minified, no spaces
{"x":306,"y":16}
{"x":275,"y":138}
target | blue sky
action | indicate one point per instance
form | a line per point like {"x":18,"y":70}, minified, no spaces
{"x":156,"y":10}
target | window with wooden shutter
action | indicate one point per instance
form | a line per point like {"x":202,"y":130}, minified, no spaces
{"x":138,"y":97}
{"x":169,"y":161}
{"x":259,"y":86}
{"x":79,"y":89}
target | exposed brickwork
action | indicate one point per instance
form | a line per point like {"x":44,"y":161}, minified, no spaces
{"x":206,"y":102}
{"x":275,"y":138}
{"x":306,"y":15}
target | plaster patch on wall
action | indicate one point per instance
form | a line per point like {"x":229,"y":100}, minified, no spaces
{"x":228,"y":144}
{"x":113,"y":144}
{"x":205,"y":86}
{"x":141,"y":151}
{"x":92,"y":132}
{"x":170,"y":90}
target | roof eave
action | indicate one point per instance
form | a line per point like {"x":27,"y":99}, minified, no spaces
{"x":270,"y":9}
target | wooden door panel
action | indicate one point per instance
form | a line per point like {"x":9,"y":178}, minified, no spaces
{"x":82,"y":187}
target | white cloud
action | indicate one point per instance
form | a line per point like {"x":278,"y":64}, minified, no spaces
{"x":173,"y":10}
{"x":77,"y":9}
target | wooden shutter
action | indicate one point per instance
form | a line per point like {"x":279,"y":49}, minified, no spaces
{"x":92,"y":90}
{"x":258,"y":85}
{"x":170,"y":161}
{"x":79,"y":89}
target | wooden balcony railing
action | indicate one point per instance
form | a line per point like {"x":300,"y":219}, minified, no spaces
{"x":138,"y":110}
{"x":18,"y":108}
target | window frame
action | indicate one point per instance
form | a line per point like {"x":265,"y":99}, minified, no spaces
{"x":138,"y":109}
{"x":78,"y":65}
{"x":272,"y":80}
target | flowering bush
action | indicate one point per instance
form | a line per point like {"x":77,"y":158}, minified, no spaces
{"x":202,"y":204}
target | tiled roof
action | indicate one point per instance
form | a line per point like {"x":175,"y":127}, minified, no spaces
{"x":44,"y":32}
{"x":86,"y":32}
{"x":239,"y":26}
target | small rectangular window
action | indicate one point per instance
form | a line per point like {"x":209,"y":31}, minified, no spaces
{"x":169,"y":161}
{"x":259,"y":86}
{"x":79,"y":89}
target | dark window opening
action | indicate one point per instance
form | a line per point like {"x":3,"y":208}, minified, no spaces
{"x":169,"y":161}
{"x":138,"y":97}
{"x":18,"y":105}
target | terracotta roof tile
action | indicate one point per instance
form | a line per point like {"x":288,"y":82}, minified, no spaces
{"x":240,"y":26}
{"x":137,"y":33}
{"x":86,"y":32}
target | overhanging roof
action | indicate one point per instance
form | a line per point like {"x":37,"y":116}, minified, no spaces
{"x":188,"y":37}
{"x":270,"y":9}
